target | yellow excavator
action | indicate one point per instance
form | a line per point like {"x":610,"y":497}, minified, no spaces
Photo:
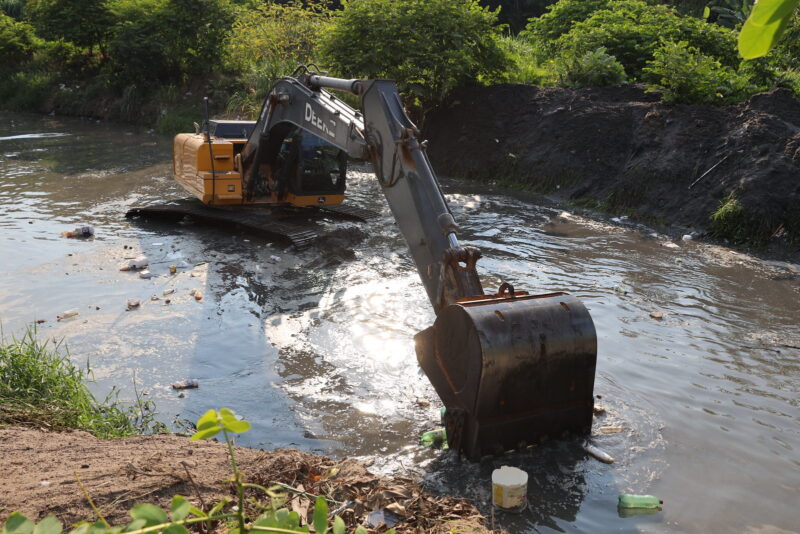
{"x":512,"y":368}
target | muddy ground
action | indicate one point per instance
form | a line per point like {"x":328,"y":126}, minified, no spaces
{"x":621,"y":150}
{"x":41,"y":470}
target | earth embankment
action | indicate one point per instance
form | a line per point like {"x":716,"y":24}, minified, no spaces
{"x":732,"y":172}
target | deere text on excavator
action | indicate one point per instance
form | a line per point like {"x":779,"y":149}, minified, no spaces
{"x":510,"y":367}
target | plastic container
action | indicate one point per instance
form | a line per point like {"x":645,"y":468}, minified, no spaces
{"x":629,"y":500}
{"x":80,"y":232}
{"x":510,"y":488}
{"x":189,"y":383}
{"x":139,"y":263}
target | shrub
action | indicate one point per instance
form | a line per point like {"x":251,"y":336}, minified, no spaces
{"x":16,"y":41}
{"x":524,"y":67}
{"x":592,"y":69}
{"x":427,"y":46}
{"x":631,"y":31}
{"x":685,"y":75}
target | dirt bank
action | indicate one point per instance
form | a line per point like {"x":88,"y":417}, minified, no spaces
{"x":41,"y":470}
{"x":620,"y":150}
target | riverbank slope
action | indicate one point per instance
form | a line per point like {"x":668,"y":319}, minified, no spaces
{"x":730,"y":172}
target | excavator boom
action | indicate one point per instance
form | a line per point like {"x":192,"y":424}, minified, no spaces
{"x":511,"y":368}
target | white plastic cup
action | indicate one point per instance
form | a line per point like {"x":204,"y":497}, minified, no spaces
{"x":509,"y":488}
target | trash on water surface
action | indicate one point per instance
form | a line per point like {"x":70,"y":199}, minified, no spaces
{"x":155,"y":297}
{"x":630,"y":500}
{"x":275,"y":258}
{"x":610,"y":429}
{"x":381,"y":517}
{"x":434,"y":438}
{"x":189,"y":383}
{"x":67,"y":314}
{"x":133,"y":303}
{"x":145,"y":275}
{"x":510,"y":488}
{"x":687,"y":237}
{"x":657,"y":315}
{"x":197,"y":294}
{"x":598,"y":453}
{"x":173,"y":269}
{"x":670,"y":244}
{"x":79,"y":232}
{"x":168,"y":292}
{"x":131,"y":265}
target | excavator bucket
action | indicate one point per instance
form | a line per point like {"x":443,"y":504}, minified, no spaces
{"x":511,"y":370}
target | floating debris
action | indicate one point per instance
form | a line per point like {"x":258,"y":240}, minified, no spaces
{"x":598,"y":453}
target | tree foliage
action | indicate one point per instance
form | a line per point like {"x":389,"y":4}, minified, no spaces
{"x":427,"y":46}
{"x":81,"y":22}
{"x":16,"y":40}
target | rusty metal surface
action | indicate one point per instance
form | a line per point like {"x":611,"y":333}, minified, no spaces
{"x":511,"y":371}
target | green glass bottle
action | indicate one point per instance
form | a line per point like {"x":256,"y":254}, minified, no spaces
{"x":629,"y":500}
{"x":436,"y":437}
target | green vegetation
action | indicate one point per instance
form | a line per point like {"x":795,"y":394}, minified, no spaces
{"x":683,"y":74}
{"x":148,"y":518}
{"x":41,"y":387}
{"x":592,"y":69}
{"x":732,"y":221}
{"x":150,"y":61}
{"x":429,"y":47}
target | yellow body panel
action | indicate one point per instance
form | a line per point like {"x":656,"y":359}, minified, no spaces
{"x":191,"y":167}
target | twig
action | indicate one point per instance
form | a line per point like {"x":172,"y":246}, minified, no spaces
{"x":89,"y":500}
{"x":194,"y":485}
{"x":717,"y":164}
{"x":130,"y":467}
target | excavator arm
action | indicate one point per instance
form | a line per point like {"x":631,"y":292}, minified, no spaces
{"x":511,"y":368}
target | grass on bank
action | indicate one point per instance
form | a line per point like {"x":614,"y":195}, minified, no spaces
{"x":41,"y":387}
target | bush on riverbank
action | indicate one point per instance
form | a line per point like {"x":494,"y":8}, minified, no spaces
{"x":41,"y":387}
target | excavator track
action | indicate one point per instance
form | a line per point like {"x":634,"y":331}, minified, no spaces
{"x":277,"y":223}
{"x":348,"y":212}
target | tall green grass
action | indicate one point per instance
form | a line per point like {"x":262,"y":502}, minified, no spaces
{"x":40,"y":386}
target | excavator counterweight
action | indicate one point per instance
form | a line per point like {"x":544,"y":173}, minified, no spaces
{"x":511,"y":368}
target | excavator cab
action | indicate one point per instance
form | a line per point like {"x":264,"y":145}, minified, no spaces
{"x":308,"y":165}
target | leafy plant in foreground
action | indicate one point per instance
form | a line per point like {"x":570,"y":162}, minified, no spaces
{"x":151,"y":519}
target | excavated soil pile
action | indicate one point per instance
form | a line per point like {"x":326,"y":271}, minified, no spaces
{"x":42,"y":471}
{"x":621,"y":150}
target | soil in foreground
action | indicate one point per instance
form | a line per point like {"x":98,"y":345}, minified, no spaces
{"x":732,"y":172}
{"x":42,"y":468}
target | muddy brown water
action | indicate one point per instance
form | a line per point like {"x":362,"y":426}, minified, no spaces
{"x":315,"y":348}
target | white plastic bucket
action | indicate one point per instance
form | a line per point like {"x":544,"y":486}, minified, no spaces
{"x":509,"y":488}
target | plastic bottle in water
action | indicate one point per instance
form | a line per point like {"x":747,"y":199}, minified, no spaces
{"x":629,"y":500}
